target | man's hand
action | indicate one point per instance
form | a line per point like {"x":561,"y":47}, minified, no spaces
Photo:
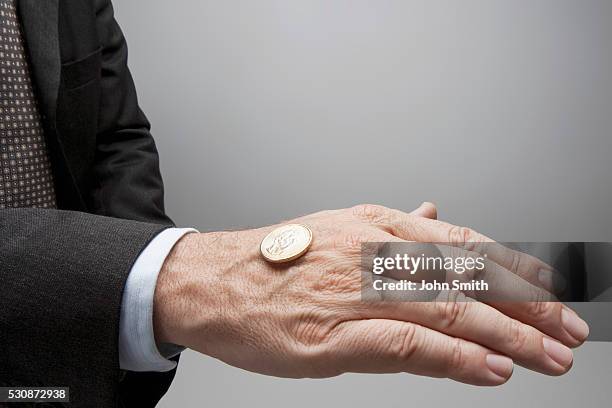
{"x":217,"y":295}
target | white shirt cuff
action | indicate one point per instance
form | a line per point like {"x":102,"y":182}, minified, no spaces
{"x":137,"y":348}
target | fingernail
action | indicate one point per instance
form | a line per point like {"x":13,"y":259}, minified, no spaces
{"x":500,"y":366}
{"x":558,"y":352}
{"x":551,"y":281}
{"x":574,"y":325}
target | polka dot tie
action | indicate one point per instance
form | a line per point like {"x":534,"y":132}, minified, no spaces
{"x":26,"y":179}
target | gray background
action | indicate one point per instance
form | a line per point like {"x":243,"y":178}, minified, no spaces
{"x":498,"y":111}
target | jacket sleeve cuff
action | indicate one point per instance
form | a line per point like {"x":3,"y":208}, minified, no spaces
{"x":138,"y":350}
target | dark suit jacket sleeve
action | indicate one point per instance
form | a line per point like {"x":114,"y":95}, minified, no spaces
{"x":126,"y":168}
{"x":62,"y":275}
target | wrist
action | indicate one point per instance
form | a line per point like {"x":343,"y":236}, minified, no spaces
{"x":190,"y":301}
{"x":171,"y":282}
{"x":207,"y":288}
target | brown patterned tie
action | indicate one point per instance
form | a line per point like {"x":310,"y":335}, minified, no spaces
{"x":26,"y":179}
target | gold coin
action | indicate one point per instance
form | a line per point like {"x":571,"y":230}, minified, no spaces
{"x":286,"y":243}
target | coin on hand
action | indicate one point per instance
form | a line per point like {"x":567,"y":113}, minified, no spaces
{"x":286,"y":243}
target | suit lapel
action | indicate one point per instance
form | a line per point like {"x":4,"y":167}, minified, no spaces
{"x":39,"y":21}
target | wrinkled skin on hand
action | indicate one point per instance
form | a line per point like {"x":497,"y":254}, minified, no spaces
{"x":217,"y":295}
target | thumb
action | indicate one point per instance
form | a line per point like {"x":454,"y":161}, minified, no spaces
{"x":426,"y":210}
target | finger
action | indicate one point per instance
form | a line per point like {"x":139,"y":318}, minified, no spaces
{"x":503,"y":285}
{"x":527,"y":267}
{"x":388,"y":346}
{"x":524,"y":265}
{"x":505,"y":291}
{"x":514,"y":297}
{"x":458,"y":316}
{"x":426,"y":210}
{"x":553,"y":318}
{"x":521,"y":300}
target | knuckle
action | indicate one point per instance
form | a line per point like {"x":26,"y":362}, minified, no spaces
{"x":342,"y":280}
{"x":480,"y":274}
{"x":314,"y":344}
{"x":540,"y":309}
{"x":461,"y":236}
{"x":451,"y":312}
{"x":370,"y":213}
{"x":352,"y":241}
{"x":472,"y":272}
{"x":516,"y":261}
{"x":457,"y":356}
{"x":311,"y":329}
{"x":464,"y":237}
{"x":355,"y":240}
{"x":404,"y":343}
{"x":516,"y":335}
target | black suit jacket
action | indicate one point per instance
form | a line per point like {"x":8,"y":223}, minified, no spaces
{"x":62,"y":272}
